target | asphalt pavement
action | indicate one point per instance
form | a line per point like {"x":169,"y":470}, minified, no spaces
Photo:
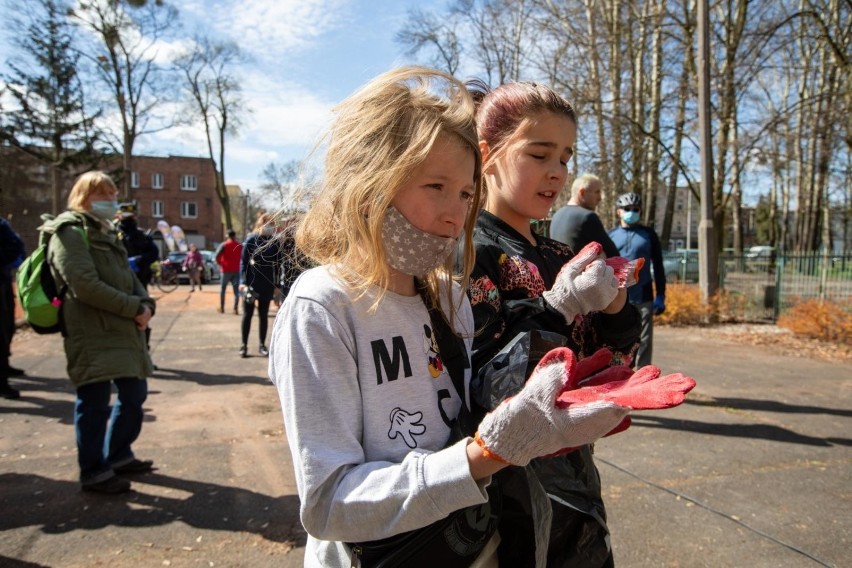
{"x":754,"y":470}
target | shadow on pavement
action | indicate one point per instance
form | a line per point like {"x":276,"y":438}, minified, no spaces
{"x":756,"y":431}
{"x":207,"y":379}
{"x":768,"y":406}
{"x":59,"y":507}
{"x":7,"y":562}
{"x":62,"y":410}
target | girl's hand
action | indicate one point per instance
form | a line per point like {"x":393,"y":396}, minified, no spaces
{"x":585,"y":284}
{"x":531,"y":424}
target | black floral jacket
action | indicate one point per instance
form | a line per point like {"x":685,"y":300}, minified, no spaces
{"x":505,"y":293}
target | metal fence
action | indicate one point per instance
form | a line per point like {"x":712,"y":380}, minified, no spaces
{"x":763,"y":287}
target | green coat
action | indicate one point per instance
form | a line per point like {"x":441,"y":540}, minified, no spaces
{"x":103,"y":296}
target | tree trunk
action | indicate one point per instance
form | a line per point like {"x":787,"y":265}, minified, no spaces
{"x":616,"y":131}
{"x":596,"y":81}
{"x":652,"y":170}
{"x":222,"y":189}
{"x":636,"y":53}
{"x":736,"y":191}
{"x":687,"y":73}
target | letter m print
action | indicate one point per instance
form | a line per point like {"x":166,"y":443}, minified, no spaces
{"x":390,"y":363}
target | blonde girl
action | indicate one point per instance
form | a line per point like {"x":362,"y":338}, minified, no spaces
{"x":357,"y":354}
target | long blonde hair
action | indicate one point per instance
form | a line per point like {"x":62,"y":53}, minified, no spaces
{"x":381,"y":134}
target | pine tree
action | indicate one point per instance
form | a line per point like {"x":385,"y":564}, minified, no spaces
{"x":47,"y":118}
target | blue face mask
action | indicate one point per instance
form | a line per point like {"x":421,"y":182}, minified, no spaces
{"x":630,"y":217}
{"x":105,"y":209}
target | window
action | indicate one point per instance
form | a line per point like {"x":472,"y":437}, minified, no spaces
{"x":157,"y":209}
{"x":188,"y":210}
{"x":189,"y":183}
{"x":157,"y":181}
{"x":134,"y":179}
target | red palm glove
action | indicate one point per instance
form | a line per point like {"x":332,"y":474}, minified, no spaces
{"x":626,"y":271}
{"x":643,"y":390}
{"x":532,"y":424}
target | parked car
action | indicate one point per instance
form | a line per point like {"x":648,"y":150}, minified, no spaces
{"x":211,"y":266}
{"x":681,"y":265}
{"x":760,"y":258}
{"x":760,"y":251}
{"x":211,"y":270}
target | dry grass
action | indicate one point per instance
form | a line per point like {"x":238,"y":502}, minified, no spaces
{"x":684,"y":307}
{"x":810,"y":328}
{"x":823,"y":320}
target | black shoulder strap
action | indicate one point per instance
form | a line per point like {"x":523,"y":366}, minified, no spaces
{"x":453,"y":354}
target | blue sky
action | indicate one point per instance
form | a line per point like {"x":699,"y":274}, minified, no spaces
{"x":306,"y":56}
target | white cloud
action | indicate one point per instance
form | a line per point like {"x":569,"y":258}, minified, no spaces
{"x":268,"y":29}
{"x":286,"y":122}
{"x":283,"y":112}
{"x":166,"y":51}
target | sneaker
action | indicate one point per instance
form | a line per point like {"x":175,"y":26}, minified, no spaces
{"x":263,"y":350}
{"x":135,"y":466}
{"x":243,"y":350}
{"x":220,"y":309}
{"x":111,"y":486}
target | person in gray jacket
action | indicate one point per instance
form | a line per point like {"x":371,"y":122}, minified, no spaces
{"x":105,"y":312}
{"x":576,"y":224}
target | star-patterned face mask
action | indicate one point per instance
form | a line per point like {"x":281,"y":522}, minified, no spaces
{"x":410,"y":250}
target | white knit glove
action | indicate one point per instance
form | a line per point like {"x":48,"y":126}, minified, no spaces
{"x":530,"y":425}
{"x":585,"y":284}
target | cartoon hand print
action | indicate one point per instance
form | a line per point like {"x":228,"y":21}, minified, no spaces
{"x":407,"y":425}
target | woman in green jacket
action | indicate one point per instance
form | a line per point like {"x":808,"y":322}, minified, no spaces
{"x":105,"y":313}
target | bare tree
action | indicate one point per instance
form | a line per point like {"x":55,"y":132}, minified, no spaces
{"x":216,"y":101}
{"x":124,"y":58}
{"x":500,"y":35}
{"x":636,"y":105}
{"x":687,"y":76}
{"x":426,"y":32}
{"x":280,"y":188}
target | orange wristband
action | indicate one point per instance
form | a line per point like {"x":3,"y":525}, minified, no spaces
{"x":488,"y":453}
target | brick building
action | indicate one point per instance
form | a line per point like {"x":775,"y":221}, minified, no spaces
{"x":181,"y":191}
{"x":177,"y":189}
{"x":26,"y":192}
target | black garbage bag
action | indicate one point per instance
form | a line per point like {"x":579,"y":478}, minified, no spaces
{"x":505,"y":374}
{"x":553,"y":502}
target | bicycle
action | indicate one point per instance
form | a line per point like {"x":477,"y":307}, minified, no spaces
{"x":164,"y":277}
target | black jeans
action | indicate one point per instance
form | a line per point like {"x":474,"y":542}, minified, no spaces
{"x":263,"y":314}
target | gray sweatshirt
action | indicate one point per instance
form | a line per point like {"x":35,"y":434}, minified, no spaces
{"x":366,"y":405}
